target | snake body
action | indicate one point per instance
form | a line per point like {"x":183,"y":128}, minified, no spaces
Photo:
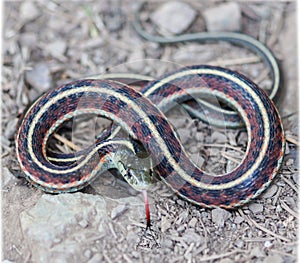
{"x":141,"y":114}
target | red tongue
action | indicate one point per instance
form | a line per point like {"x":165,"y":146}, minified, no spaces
{"x":147,"y":208}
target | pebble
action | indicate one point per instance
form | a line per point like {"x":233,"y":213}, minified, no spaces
{"x":197,"y":159}
{"x":218,"y":137}
{"x":29,"y":11}
{"x":136,"y":60}
{"x":7,"y":176}
{"x":225,"y":17}
{"x":114,"y":20}
{"x":256,"y":208}
{"x":28,"y":39}
{"x":118,"y":210}
{"x":295,"y":178}
{"x":83,"y":223}
{"x":174,"y":16}
{"x":257,"y":252}
{"x":273,"y":259}
{"x":268,"y":244}
{"x":193,"y":222}
{"x":39,"y":77}
{"x":219,"y":216}
{"x":165,"y":224}
{"x":88,"y":253}
{"x":10,"y":130}
{"x":184,"y":135}
{"x":57,"y":48}
{"x":238,"y":219}
{"x":271,"y":191}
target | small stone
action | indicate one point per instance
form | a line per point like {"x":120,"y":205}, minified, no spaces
{"x":29,"y":11}
{"x":218,"y":137}
{"x":197,"y":159}
{"x":57,"y":48}
{"x":11,"y":128}
{"x":136,"y":60}
{"x":257,"y":252}
{"x":184,"y":135}
{"x":219,"y":216}
{"x":39,"y":77}
{"x":273,"y":259}
{"x":7,"y":176}
{"x":88,"y":253}
{"x":238,"y":220}
{"x":118,"y":210}
{"x":193,"y":222}
{"x":271,"y":191}
{"x":268,"y":244}
{"x":165,"y":224}
{"x":295,"y":178}
{"x":239,"y":243}
{"x":256,"y":208}
{"x":225,"y":17}
{"x":83,"y":223}
{"x":97,"y":258}
{"x":289,"y":162}
{"x":174,"y":17}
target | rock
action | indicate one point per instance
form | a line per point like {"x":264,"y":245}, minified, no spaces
{"x":257,"y":252}
{"x":29,"y":11}
{"x":268,"y":244}
{"x":271,"y":191}
{"x":218,"y":137}
{"x":219,"y":216}
{"x":55,"y":218}
{"x":225,"y":17}
{"x":256,"y":208}
{"x":118,"y":210}
{"x":197,"y":159}
{"x":193,"y":222}
{"x":174,"y":17}
{"x":39,"y":77}
{"x":165,"y":224}
{"x":295,"y":177}
{"x":136,"y":60}
{"x":238,"y":219}
{"x":10,"y":130}
{"x":7,"y":177}
{"x":57,"y":48}
{"x":273,"y":259}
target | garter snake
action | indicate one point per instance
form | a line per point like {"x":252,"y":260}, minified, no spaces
{"x":141,"y":114}
{"x":228,"y":118}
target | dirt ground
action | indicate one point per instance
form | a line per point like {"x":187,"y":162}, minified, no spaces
{"x":47,"y":43}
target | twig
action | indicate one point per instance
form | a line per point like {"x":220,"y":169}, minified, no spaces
{"x":292,"y":140}
{"x":230,"y":157}
{"x":286,"y":208}
{"x":290,"y":184}
{"x":223,"y":146}
{"x":66,"y":142}
{"x":262,"y":228}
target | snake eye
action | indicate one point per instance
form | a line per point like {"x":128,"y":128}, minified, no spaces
{"x":129,"y":173}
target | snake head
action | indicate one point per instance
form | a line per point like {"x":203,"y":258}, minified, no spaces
{"x":136,"y":173}
{"x":135,"y":165}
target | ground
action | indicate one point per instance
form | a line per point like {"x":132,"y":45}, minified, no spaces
{"x":48,"y":43}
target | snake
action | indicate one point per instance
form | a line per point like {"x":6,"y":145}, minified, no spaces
{"x":142,"y":115}
{"x":221,"y":117}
